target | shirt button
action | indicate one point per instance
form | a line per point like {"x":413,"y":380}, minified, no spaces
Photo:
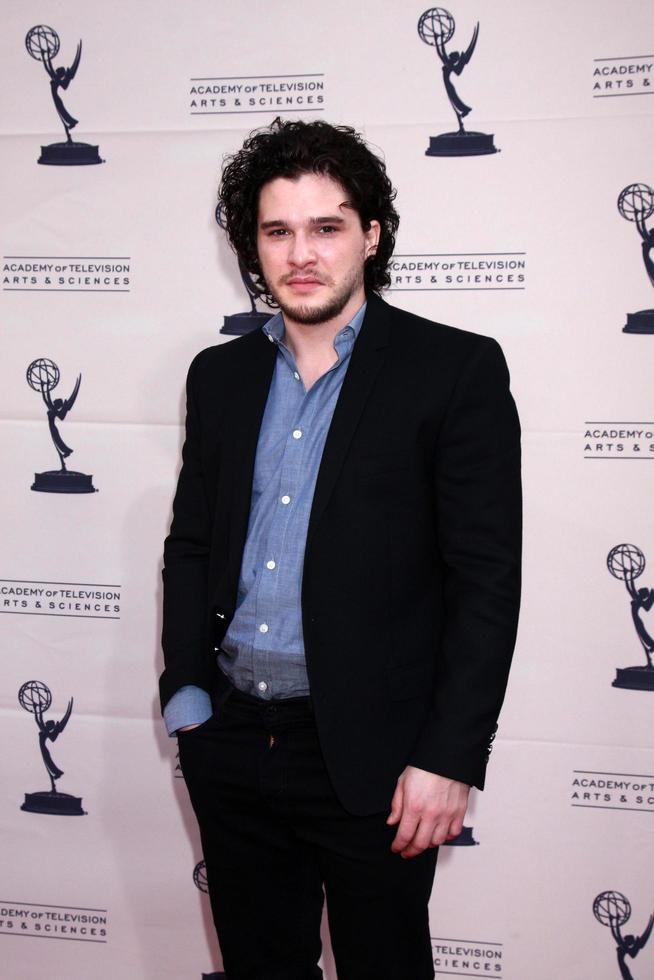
{"x":262,"y":686}
{"x":270,"y":564}
{"x":296,"y":375}
{"x":263,"y":628}
{"x":286,"y":499}
{"x":297,"y":434}
{"x":271,"y":338}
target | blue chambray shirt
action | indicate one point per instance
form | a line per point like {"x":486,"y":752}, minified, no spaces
{"x":263,"y":650}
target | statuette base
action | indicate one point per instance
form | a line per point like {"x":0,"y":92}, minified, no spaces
{"x":642,"y":322}
{"x":238,"y":324}
{"x":464,"y":839}
{"x":69,"y":155}
{"x":634,"y":678}
{"x":63,"y":481}
{"x":461,"y":145}
{"x":58,"y":804}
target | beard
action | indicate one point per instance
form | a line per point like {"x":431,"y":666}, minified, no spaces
{"x":303,"y":313}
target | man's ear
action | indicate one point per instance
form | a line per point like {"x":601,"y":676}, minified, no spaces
{"x":372,"y":234}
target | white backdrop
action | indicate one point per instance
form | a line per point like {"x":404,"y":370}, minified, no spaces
{"x":568,"y":812}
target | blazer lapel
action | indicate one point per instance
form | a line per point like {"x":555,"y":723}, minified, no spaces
{"x":365,"y":361}
{"x":248,"y":406}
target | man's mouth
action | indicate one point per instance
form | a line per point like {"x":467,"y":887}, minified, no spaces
{"x":303,"y":283}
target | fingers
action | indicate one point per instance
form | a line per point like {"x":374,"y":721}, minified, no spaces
{"x":429,"y":830}
{"x":406,"y":831}
{"x":429,"y":809}
{"x":424,"y":837}
{"x":455,"y":828}
{"x":421,"y":840}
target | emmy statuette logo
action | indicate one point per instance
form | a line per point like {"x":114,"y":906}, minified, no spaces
{"x":613,"y":909}
{"x":42,"y":43}
{"x":35,"y":697}
{"x":436,"y":27}
{"x":200,"y":882}
{"x":200,"y":877}
{"x":43,"y":376}
{"x":237,"y":324}
{"x":627,"y":562}
{"x":636,"y":203}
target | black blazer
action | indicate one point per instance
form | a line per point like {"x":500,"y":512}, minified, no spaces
{"x":411,"y":579}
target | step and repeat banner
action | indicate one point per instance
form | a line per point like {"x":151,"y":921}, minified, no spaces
{"x":520,"y":138}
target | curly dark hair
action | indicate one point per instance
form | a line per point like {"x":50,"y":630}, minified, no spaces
{"x":289,"y":149}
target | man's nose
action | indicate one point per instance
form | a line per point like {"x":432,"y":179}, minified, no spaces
{"x":302,"y":251}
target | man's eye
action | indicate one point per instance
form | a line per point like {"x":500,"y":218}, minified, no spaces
{"x":327,"y":228}
{"x":278,"y":232}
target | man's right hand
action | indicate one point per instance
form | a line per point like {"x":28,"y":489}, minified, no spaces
{"x":188,"y":728}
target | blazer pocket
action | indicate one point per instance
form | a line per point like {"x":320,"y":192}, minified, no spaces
{"x":199,"y":729}
{"x":412,"y":680}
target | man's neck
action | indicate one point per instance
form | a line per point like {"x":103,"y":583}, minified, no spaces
{"x":307,"y":340}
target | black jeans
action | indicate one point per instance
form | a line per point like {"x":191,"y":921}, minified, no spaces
{"x":274,"y":833}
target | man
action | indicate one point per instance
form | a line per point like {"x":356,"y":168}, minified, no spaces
{"x":341,"y":577}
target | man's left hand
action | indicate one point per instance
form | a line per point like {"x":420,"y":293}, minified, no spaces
{"x":429,"y":809}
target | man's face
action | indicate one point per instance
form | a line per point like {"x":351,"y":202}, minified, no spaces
{"x":312,"y":247}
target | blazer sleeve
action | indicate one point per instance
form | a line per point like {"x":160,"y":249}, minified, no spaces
{"x":479,"y":521}
{"x":186,"y":561}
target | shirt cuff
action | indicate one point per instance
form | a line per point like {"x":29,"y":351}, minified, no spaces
{"x":189,"y":706}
